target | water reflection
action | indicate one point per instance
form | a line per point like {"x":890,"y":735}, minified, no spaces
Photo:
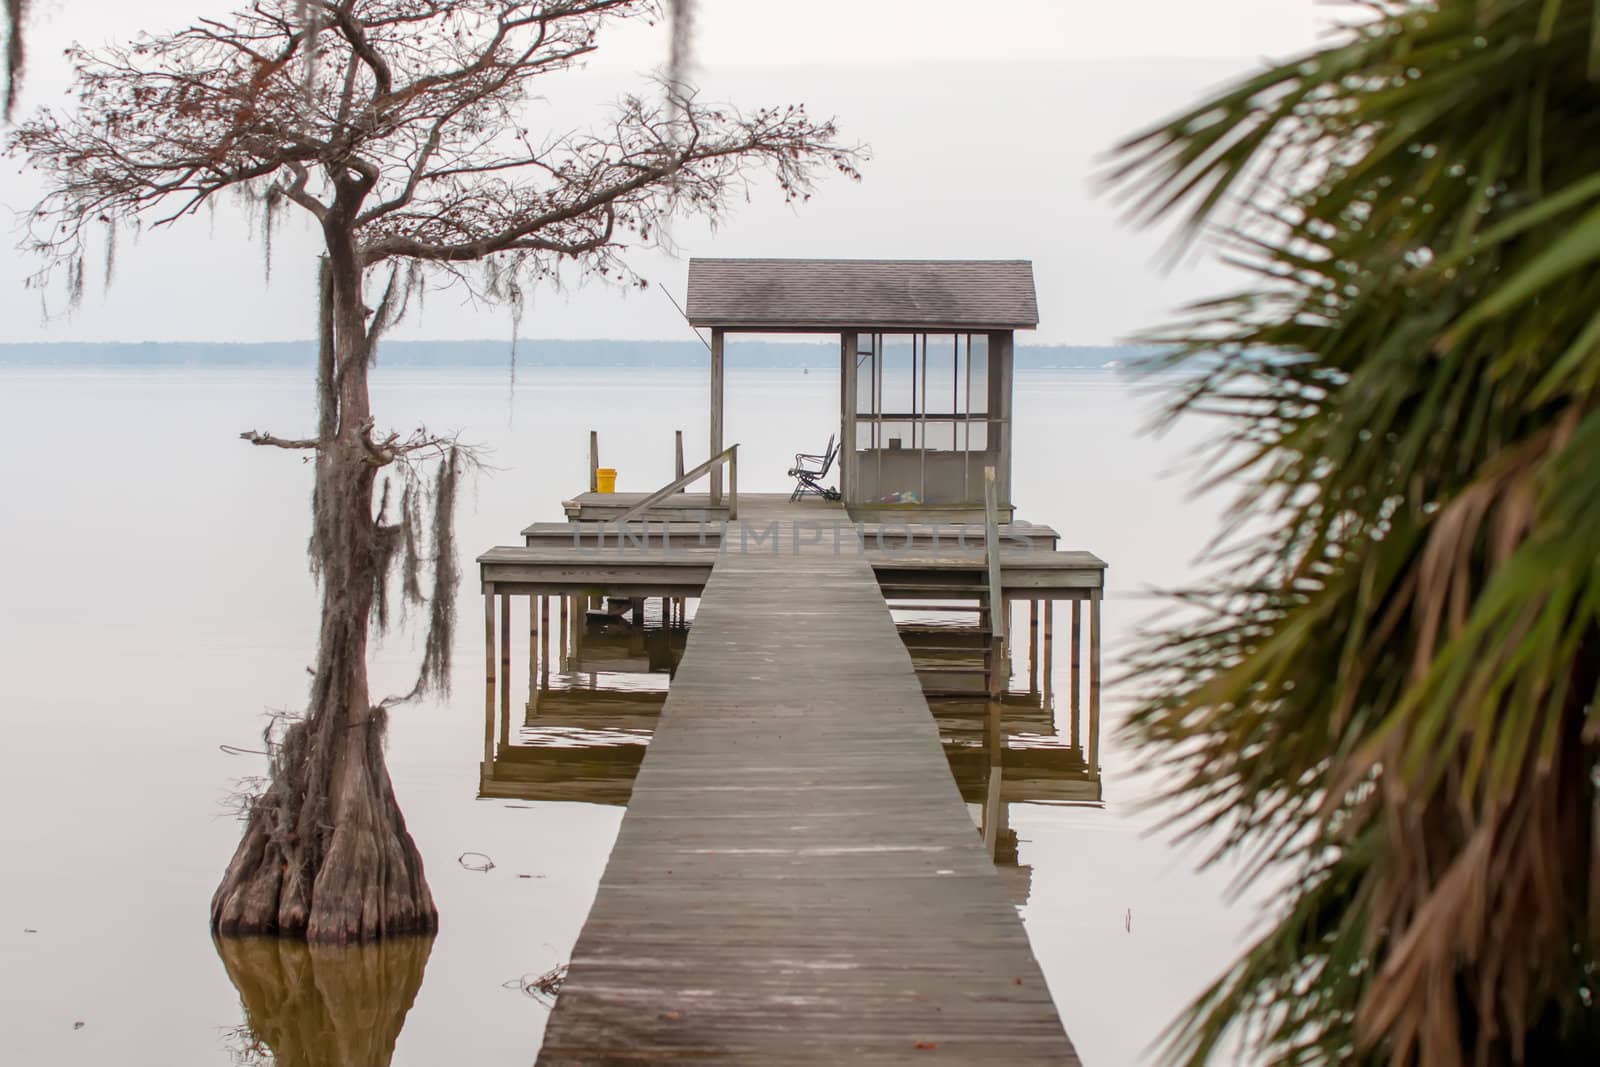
{"x":321,"y":1005}
{"x":597,"y":681}
{"x":597,"y":686}
{"x":1016,"y":752}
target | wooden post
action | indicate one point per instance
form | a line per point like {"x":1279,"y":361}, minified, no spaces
{"x":733,"y":484}
{"x":594,"y":460}
{"x":847,"y":416}
{"x":488,"y":671}
{"x":1033,"y":646}
{"x":991,"y":809}
{"x":678,"y":464}
{"x":716,"y":413}
{"x":544,"y":640}
{"x":1002,"y":350}
{"x":999,"y":622}
{"x":1094,"y":681}
{"x":1072,"y":675}
{"x":533,"y":652}
{"x":1049,"y":650}
{"x":564,"y":599}
{"x":505,"y":668}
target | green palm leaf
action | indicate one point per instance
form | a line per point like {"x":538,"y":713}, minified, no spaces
{"x":1386,"y":697}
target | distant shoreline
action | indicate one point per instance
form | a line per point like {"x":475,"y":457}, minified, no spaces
{"x":530,"y":354}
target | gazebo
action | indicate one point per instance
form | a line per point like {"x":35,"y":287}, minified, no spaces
{"x":925,"y":364}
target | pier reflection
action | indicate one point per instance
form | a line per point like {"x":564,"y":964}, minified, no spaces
{"x":596,"y":691}
{"x":321,"y":1005}
{"x":596,"y":686}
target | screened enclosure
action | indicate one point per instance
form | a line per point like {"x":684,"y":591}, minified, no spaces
{"x":925,"y":417}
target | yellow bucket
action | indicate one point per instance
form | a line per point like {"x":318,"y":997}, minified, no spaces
{"x":605,"y":480}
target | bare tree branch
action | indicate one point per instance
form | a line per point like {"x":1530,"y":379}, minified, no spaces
{"x":295,"y":443}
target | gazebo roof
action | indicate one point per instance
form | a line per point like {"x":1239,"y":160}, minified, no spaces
{"x":779,"y":295}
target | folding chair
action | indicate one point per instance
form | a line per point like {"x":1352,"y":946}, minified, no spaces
{"x":809,"y":469}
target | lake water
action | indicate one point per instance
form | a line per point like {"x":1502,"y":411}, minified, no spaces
{"x":157,"y":607}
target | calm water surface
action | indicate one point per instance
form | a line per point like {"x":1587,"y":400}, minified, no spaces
{"x":157,"y":606}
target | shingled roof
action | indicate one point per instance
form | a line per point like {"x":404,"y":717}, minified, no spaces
{"x":865,"y":294}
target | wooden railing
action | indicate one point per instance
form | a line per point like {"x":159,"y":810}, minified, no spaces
{"x":991,"y":540}
{"x":729,"y":455}
{"x":594,"y":458}
{"x":994,"y":660}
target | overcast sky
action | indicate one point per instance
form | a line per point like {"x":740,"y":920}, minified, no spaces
{"x":986,"y":123}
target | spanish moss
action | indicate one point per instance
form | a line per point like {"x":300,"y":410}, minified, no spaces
{"x":111,"y":252}
{"x":271,"y":203}
{"x":514,"y":301}
{"x":387,"y":540}
{"x":434,"y":674}
{"x":410,"y":538}
{"x":75,"y":281}
{"x":16,"y":11}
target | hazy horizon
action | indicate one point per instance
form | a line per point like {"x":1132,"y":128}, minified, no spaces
{"x":985,"y":145}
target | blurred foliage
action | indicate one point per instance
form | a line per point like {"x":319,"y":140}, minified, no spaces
{"x":1384,"y":695}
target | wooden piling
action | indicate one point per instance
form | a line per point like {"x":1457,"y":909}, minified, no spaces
{"x":505,"y":668}
{"x":1094,"y":680}
{"x":544,"y":640}
{"x":594,"y":461}
{"x":1033,"y":646}
{"x":1072,"y":673}
{"x":1047,"y":651}
{"x":533,"y":651}
{"x":488,"y":671}
{"x":564,"y":600}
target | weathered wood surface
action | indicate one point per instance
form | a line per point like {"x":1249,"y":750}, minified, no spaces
{"x":680,"y":533}
{"x":685,"y":507}
{"x":684,"y":566}
{"x":796,"y":878}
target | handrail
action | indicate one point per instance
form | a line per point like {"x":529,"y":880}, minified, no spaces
{"x":991,"y":540}
{"x":995,"y":654}
{"x":594,"y":458}
{"x":729,"y":455}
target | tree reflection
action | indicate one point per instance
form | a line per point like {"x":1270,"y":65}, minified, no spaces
{"x":322,"y":1005}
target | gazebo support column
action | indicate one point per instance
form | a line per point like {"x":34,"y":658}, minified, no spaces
{"x":716,"y":414}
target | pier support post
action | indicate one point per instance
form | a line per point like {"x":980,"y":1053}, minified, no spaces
{"x":1048,"y":655}
{"x":992,"y":807}
{"x":505,"y":668}
{"x":1033,"y":646}
{"x":533,"y":652}
{"x":1072,"y":674}
{"x":1094,"y":681}
{"x":564,"y":599}
{"x":544,"y":641}
{"x":488,"y":671}
{"x":678,"y":461}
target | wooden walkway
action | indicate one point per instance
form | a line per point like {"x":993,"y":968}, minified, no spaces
{"x":796,"y":878}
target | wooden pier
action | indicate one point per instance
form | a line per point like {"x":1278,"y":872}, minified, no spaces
{"x":796,"y":877}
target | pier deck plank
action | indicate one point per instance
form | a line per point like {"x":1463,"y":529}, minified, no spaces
{"x":796,"y":878}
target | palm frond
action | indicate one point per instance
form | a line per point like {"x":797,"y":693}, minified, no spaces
{"x":1388,"y":694}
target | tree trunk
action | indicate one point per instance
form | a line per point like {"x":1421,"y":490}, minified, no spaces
{"x":325,"y":853}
